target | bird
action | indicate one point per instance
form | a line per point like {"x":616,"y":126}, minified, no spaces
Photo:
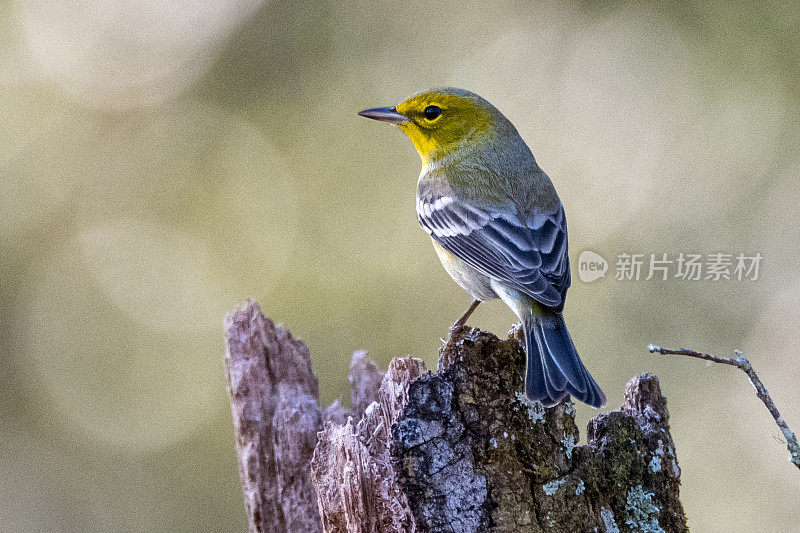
{"x":498,"y":227}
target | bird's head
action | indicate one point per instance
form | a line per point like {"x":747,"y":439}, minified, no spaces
{"x":441,"y":121}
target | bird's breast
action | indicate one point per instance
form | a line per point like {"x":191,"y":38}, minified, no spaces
{"x":468,"y":278}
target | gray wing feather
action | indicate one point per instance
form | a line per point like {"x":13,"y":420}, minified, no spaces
{"x":529,"y":255}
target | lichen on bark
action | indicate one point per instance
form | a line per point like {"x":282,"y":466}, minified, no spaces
{"x":473,"y":454}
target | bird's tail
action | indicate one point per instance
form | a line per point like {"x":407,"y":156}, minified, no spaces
{"x":554,"y":368}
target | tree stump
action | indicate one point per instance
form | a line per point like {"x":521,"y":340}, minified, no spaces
{"x":458,"y":450}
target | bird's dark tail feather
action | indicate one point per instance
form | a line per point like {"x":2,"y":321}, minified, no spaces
{"x":554,"y":368}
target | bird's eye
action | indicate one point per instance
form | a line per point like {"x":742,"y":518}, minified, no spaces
{"x":432,"y":111}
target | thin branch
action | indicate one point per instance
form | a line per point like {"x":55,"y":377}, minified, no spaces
{"x":744,"y":365}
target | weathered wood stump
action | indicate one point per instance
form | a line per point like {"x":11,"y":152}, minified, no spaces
{"x":458,"y":450}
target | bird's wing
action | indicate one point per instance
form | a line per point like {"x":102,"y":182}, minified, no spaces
{"x":529,"y":255}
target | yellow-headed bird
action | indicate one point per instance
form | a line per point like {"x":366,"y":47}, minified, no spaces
{"x":498,"y":227}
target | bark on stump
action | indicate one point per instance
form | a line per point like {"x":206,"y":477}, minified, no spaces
{"x":458,"y":450}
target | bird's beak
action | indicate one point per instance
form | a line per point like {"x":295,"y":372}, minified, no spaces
{"x":385,"y":114}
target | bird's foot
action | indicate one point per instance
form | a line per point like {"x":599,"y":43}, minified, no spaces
{"x":461,"y":322}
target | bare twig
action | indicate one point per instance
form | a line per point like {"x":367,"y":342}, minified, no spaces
{"x":744,"y":365}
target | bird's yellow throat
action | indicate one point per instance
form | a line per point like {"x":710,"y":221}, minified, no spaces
{"x":425,"y":145}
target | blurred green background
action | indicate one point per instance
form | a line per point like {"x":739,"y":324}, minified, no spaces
{"x":162,"y":161}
